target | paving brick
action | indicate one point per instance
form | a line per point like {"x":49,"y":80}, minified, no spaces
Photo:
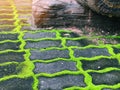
{"x":100,"y":64}
{"x":80,"y":43}
{"x":43,"y":44}
{"x":39,"y":35}
{"x":9,"y":45}
{"x":110,"y":89}
{"x":54,"y":67}
{"x":109,"y":78}
{"x":7,"y":28}
{"x":60,"y":82}
{"x":17,"y":84}
{"x":49,"y":54}
{"x":12,"y":56}
{"x":8,"y":70}
{"x":116,"y":50}
{"x":8,"y":37}
{"x":91,"y":52}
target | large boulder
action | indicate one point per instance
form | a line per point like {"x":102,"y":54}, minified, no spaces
{"x":46,"y":13}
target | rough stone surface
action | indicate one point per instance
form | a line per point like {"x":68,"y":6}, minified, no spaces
{"x":100,"y":64}
{"x":56,"y":13}
{"x":54,"y":67}
{"x":17,"y":84}
{"x":9,"y":45}
{"x":8,"y":37}
{"x":49,"y":54}
{"x":39,"y":35}
{"x":12,"y":56}
{"x":79,"y":43}
{"x":116,"y":50}
{"x":91,"y":52}
{"x":8,"y":70}
{"x":58,"y":83}
{"x":43,"y":44}
{"x":109,"y":78}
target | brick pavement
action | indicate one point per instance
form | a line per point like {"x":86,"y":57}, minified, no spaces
{"x":53,"y":59}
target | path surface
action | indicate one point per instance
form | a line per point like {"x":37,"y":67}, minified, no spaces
{"x":53,"y":59}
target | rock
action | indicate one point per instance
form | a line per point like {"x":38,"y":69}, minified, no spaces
{"x":56,"y":13}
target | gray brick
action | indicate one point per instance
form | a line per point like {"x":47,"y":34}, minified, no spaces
{"x":49,"y":54}
{"x":17,"y":84}
{"x":39,"y":35}
{"x":43,"y":44}
{"x":116,"y":50}
{"x":8,"y":37}
{"x":54,"y":67}
{"x":7,"y":28}
{"x":8,"y":70}
{"x":91,"y":52}
{"x":9,"y":45}
{"x":12,"y":56}
{"x":80,"y":43}
{"x":110,"y":89}
{"x":60,"y":82}
{"x":109,"y":78}
{"x":100,"y":64}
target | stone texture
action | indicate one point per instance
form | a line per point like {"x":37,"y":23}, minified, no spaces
{"x":116,"y":50}
{"x":60,"y":82}
{"x":17,"y":84}
{"x":8,"y":37}
{"x":57,"y":13}
{"x":109,"y":78}
{"x":69,"y":35}
{"x":79,"y":43}
{"x":54,"y":67}
{"x":91,"y":52}
{"x":43,"y":44}
{"x":49,"y":54}
{"x":39,"y":35}
{"x":9,"y":45}
{"x":12,"y":56}
{"x":6,"y":70}
{"x":100,"y":64}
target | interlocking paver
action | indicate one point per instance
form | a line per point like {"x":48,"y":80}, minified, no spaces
{"x":43,"y":44}
{"x":55,"y":67}
{"x":8,"y":37}
{"x":109,"y":78}
{"x":91,"y":52}
{"x":49,"y":54}
{"x":9,"y":45}
{"x":58,"y":83}
{"x":12,"y":56}
{"x":16,"y":84}
{"x":100,"y":64}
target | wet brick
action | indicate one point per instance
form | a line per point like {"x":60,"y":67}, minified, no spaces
{"x":12,"y":56}
{"x":43,"y":44}
{"x":17,"y":84}
{"x":8,"y":70}
{"x":91,"y":52}
{"x":60,"y":82}
{"x":8,"y":37}
{"x":109,"y":78}
{"x":49,"y":54}
{"x":80,"y":43}
{"x":9,"y":45}
{"x":39,"y":35}
{"x":100,"y":64}
{"x":54,"y":67}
